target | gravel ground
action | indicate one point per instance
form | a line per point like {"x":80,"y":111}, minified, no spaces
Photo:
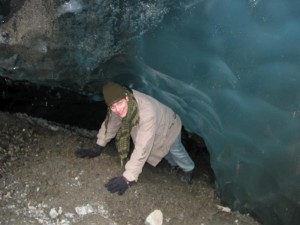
{"x":42,"y":182}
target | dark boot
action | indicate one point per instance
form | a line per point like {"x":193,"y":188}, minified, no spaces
{"x":188,"y":176}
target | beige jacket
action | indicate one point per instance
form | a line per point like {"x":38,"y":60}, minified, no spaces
{"x":156,"y":131}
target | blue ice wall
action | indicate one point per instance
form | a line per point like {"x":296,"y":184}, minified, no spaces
{"x":231,"y":69}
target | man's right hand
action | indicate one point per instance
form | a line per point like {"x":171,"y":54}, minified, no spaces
{"x":89,"y":153}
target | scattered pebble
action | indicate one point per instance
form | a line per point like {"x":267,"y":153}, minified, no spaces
{"x":154,"y":218}
{"x":224,"y":209}
{"x":83,"y":210}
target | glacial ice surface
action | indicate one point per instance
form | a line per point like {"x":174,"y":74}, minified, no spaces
{"x":231,"y":70}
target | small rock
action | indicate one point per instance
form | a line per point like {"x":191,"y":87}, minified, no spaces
{"x":83,"y":210}
{"x":154,"y":218}
{"x":53,"y":213}
{"x":8,"y":195}
{"x":69,"y":215}
{"x":59,"y":210}
{"x":53,"y":128}
{"x":224,"y":209}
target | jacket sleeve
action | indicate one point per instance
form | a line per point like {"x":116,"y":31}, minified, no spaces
{"x":104,"y":136}
{"x":143,"y":144}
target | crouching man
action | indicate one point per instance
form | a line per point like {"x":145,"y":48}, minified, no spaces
{"x":155,"y":131}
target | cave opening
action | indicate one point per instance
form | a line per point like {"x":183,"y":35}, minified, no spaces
{"x":67,"y":107}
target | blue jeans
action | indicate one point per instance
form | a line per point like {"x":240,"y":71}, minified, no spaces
{"x":178,"y":156}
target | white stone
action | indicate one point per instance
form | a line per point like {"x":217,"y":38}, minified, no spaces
{"x":224,"y":209}
{"x":154,"y":218}
{"x":69,"y":215}
{"x":59,"y":210}
{"x":53,"y":213}
{"x":83,"y":210}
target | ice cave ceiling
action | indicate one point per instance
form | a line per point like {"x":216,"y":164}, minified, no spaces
{"x":230,"y":69}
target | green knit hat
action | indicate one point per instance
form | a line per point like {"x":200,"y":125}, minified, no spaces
{"x":112,"y":93}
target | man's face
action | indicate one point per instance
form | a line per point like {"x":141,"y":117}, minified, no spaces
{"x":120,"y":107}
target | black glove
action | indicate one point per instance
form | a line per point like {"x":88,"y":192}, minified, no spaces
{"x":89,"y":153}
{"x":117,"y":184}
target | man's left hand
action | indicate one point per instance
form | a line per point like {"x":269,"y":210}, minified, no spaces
{"x":117,"y":184}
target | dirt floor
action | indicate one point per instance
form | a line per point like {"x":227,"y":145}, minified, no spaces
{"x":43,"y":182}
